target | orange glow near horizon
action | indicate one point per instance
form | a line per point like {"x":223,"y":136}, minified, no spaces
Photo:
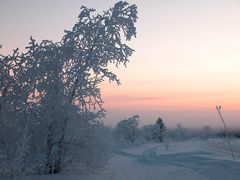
{"x":121,"y":98}
{"x":187,"y":53}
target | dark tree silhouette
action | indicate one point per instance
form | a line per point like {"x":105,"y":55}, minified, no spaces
{"x":161,"y":128}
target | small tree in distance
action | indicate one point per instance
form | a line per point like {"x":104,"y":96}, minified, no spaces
{"x":161,"y":128}
{"x":181,"y":133}
{"x":126,"y":129}
{"x":154,"y":132}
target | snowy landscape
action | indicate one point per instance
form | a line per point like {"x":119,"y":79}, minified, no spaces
{"x":52,"y":96}
{"x":192,"y":159}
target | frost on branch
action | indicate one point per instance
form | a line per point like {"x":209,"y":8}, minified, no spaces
{"x":54,"y":87}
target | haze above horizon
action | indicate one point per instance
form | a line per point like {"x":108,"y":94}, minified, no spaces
{"x":187,"y":54}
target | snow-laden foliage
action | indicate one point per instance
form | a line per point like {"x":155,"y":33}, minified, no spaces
{"x":50,"y":99}
{"x":15,"y":114}
{"x":155,"y":132}
{"x":126,"y":129}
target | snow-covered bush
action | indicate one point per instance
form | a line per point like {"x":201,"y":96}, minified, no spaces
{"x":53,"y":88}
{"x":89,"y":148}
{"x":181,"y":133}
{"x":147,"y":131}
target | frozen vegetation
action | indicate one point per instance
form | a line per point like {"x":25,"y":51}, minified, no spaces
{"x":50,"y":99}
{"x":51,"y":114}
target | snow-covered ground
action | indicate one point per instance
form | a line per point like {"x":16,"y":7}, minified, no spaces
{"x":189,"y":160}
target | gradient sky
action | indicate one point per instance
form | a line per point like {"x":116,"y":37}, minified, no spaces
{"x":186,"y":60}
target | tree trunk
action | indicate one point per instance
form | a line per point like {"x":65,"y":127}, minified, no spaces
{"x":49,"y":164}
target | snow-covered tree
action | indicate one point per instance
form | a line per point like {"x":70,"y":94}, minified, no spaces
{"x":160,"y":129}
{"x":155,"y":132}
{"x":54,"y":85}
{"x":126,"y":129}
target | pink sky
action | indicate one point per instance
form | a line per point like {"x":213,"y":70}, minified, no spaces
{"x":187,"y":53}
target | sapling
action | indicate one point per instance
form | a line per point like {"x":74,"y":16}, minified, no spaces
{"x":225,"y":129}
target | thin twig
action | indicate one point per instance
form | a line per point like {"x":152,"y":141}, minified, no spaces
{"x":226,"y":132}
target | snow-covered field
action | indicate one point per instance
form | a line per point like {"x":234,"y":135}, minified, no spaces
{"x":189,"y":160}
